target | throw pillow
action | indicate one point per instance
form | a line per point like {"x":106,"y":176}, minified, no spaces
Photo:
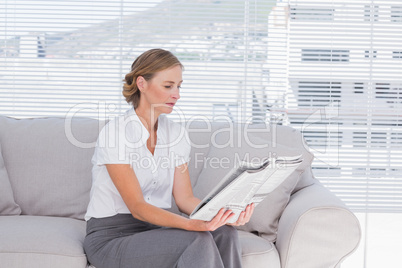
{"x":7,"y":203}
{"x":221,"y":159}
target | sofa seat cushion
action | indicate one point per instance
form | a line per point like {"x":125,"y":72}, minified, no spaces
{"x":39,"y":241}
{"x":258,"y":252}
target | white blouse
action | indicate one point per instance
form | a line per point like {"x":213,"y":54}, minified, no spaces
{"x":124,"y":141}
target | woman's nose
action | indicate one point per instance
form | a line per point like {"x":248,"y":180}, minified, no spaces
{"x":176,"y":93}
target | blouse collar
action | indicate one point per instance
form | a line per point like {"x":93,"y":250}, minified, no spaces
{"x":161,"y":132}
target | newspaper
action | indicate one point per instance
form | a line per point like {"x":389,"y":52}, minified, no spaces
{"x":246,"y":183}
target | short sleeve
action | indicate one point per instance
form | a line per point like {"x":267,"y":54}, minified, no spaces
{"x":110,"y":146}
{"x":181,"y":146}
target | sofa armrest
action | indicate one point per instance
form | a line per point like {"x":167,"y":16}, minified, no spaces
{"x":316,"y":230}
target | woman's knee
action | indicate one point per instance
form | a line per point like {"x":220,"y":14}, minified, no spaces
{"x":203,"y":237}
{"x":225,"y":236}
{"x":230,"y":230}
{"x":226,"y":231}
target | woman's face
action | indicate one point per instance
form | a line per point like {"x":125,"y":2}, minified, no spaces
{"x":161,"y":92}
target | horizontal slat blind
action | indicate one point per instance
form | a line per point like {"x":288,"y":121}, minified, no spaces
{"x":69,"y":57}
{"x":345,"y":80}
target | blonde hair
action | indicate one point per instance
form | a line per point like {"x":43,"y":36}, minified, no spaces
{"x":146,"y":65}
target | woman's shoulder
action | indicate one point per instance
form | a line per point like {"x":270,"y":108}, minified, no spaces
{"x":122,"y":120}
{"x":111,"y":124}
{"x":124,"y":125}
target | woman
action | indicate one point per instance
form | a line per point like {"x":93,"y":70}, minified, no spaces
{"x":127,"y":224}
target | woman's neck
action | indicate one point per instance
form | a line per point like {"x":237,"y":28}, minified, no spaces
{"x":148,"y":118}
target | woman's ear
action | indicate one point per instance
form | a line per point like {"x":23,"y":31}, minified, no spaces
{"x":141,"y":83}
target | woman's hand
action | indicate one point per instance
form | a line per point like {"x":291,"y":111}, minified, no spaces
{"x":244,"y":216}
{"x":219,"y":220}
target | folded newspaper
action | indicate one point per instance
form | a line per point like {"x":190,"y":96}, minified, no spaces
{"x":246,"y":183}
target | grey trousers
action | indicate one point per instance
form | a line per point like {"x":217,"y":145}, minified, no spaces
{"x":123,"y":241}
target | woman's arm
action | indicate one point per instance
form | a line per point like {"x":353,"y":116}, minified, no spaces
{"x":127,"y":184}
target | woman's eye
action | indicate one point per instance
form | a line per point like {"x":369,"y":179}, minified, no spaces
{"x":171,"y":86}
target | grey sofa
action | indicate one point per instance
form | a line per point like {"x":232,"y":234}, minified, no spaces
{"x":45,"y":179}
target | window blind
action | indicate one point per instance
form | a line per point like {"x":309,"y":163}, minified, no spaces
{"x":69,"y":57}
{"x":345,"y":81}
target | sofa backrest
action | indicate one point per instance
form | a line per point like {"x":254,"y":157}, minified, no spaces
{"x":49,"y":175}
{"x":48,"y":160}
